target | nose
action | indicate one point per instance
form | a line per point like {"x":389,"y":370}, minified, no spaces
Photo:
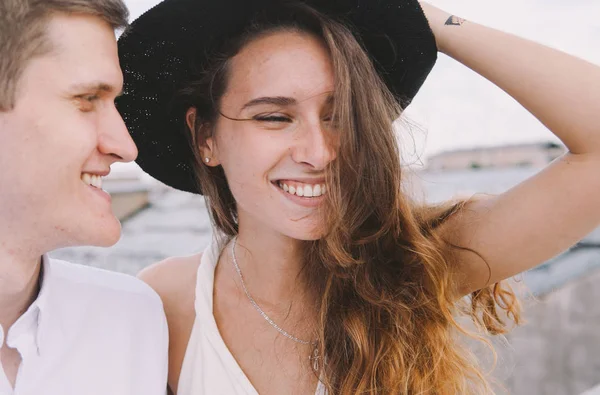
{"x":314,"y":145}
{"x":114,"y":139}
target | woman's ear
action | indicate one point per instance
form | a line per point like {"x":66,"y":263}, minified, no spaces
{"x":190,"y":118}
{"x":206,"y":145}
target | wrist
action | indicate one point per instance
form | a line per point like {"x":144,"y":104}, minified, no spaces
{"x":440,"y":23}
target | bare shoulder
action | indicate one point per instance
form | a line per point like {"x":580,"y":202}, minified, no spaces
{"x":174,"y":279}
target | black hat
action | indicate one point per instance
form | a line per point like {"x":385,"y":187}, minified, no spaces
{"x":161,"y":50}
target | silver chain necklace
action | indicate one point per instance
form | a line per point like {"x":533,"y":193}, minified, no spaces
{"x":314,"y":357}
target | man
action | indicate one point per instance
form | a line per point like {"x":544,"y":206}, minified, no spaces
{"x":67,"y":329}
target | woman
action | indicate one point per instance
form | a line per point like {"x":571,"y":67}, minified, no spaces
{"x":323,"y":274}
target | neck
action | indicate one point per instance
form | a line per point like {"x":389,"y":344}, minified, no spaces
{"x":19,"y":282}
{"x":271,"y":264}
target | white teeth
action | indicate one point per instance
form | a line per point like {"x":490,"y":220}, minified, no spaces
{"x":308,"y":191}
{"x":305,"y":190}
{"x":86,"y":178}
{"x":92,"y":180}
{"x":317,"y":190}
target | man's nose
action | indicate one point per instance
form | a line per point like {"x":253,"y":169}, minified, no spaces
{"x":114,"y":139}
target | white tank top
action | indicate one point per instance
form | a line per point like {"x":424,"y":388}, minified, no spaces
{"x":208,"y":367}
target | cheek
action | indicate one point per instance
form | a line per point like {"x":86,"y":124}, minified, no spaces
{"x":249,"y":152}
{"x":62,"y":147}
{"x":74,"y":137}
{"x":248,"y":159}
{"x":42,"y":156}
{"x":244,"y":172}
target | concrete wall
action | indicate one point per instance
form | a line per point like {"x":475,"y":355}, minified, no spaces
{"x":525,"y":155}
{"x":557,"y":351}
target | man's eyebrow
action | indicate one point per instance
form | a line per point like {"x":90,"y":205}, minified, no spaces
{"x":95,"y":87}
{"x":278,"y":100}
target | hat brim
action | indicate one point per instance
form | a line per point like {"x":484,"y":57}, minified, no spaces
{"x":157,"y":63}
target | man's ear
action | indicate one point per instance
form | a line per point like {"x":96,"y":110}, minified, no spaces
{"x":206,"y":146}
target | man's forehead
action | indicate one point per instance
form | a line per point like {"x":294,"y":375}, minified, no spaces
{"x":84,"y":49}
{"x":61,"y":26}
{"x":72,"y":37}
{"x":83,"y":77}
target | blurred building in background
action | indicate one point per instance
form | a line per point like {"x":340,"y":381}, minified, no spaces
{"x":506,"y":156}
{"x":129,"y":189}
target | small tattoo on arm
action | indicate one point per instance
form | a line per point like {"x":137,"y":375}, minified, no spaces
{"x":454,"y":21}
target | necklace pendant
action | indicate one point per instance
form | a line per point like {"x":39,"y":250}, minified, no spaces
{"x":314,"y":358}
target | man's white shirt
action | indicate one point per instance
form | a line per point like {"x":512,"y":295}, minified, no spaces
{"x":89,"y":332}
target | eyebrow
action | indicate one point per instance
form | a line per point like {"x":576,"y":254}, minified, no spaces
{"x":278,"y":100}
{"x":96,"y":87}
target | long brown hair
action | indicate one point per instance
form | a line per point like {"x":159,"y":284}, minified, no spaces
{"x":388,"y":314}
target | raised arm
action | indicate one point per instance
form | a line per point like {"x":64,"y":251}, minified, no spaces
{"x":551,"y":211}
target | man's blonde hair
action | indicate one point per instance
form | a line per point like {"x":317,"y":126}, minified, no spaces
{"x":23,"y":26}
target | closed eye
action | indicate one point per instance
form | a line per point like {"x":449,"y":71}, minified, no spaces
{"x":87,"y":102}
{"x":273,"y":118}
{"x":90,"y":98}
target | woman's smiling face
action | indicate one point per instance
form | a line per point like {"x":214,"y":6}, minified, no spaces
{"x":274,"y":139}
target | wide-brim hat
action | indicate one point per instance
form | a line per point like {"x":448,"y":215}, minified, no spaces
{"x":162,"y":50}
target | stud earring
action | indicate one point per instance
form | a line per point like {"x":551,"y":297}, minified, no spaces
{"x":207,"y":159}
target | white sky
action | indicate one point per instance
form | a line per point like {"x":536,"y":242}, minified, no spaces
{"x":456,"y":108}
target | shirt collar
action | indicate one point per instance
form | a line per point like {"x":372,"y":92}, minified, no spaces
{"x":26,"y":333}
{"x":42,"y":301}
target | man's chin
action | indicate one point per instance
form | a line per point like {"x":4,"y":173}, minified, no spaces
{"x":106,"y":234}
{"x":110,"y":237}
